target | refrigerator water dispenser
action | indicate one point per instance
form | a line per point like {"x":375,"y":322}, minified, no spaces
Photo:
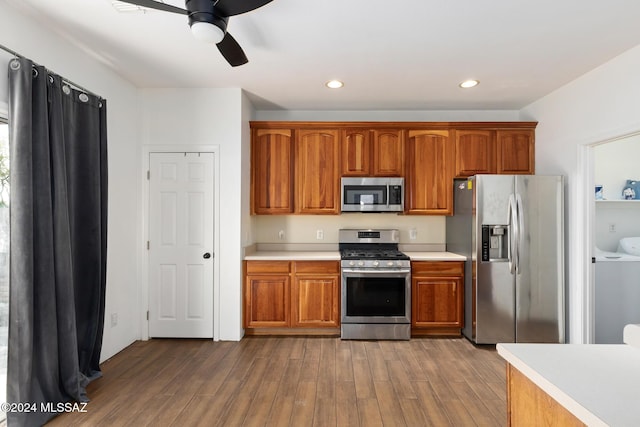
{"x":495,"y":243}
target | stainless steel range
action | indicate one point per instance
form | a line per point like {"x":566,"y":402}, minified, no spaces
{"x":376,"y":285}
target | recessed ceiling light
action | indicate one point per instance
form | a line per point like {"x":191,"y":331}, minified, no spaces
{"x":334,"y":84}
{"x":469,"y":83}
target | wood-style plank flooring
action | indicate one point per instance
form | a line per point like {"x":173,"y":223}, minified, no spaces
{"x":298,"y":381}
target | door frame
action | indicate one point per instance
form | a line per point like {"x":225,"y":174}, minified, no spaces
{"x":585,"y":237}
{"x":144,"y":288}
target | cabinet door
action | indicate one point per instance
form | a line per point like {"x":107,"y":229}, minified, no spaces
{"x":271,"y":171}
{"x":356,"y":152}
{"x":317,"y":155}
{"x":436,"y":302}
{"x":315,"y":301}
{"x":267,"y":300}
{"x":516,"y":152}
{"x":475,"y":152}
{"x":429,"y":183}
{"x":388,"y":152}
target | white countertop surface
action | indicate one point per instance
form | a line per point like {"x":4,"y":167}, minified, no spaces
{"x":435,"y":256}
{"x":335,"y":256}
{"x":598,"y":383}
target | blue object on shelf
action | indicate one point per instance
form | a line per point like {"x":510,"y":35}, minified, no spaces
{"x":631,"y":190}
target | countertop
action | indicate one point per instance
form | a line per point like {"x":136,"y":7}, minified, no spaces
{"x":598,"y":383}
{"x":335,"y":256}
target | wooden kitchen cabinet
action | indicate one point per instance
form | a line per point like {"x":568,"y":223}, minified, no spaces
{"x":267,"y":294}
{"x":356,"y":152}
{"x":372,"y":152}
{"x":388,"y":152}
{"x":429,"y":179}
{"x":296,"y":166}
{"x":317,"y":171}
{"x":272,"y":171}
{"x":475,"y":152}
{"x":515,"y":151}
{"x":502,"y":151}
{"x":283,"y":296}
{"x":315,"y":295}
{"x":437,"y":291}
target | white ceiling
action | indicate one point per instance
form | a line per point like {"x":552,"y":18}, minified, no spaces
{"x":392,"y":55}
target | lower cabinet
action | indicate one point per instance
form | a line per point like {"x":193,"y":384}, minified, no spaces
{"x":267,"y":294}
{"x":437,"y":290}
{"x":292,"y":294}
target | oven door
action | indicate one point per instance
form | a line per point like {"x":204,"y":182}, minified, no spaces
{"x":376,"y":296}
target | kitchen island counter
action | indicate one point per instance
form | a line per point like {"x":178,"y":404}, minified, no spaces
{"x":599,"y":384}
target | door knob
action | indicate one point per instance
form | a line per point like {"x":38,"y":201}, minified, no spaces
{"x":206,"y":255}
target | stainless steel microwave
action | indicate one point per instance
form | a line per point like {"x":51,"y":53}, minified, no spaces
{"x":372,"y":194}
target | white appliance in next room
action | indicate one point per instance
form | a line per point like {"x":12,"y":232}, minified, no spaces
{"x":510,"y":228}
{"x":617,"y":291}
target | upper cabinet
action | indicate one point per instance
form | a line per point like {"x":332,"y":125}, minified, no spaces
{"x":372,"y":152}
{"x":356,"y":152}
{"x":475,"y":152}
{"x":429,"y":160}
{"x":296,"y":166}
{"x":388,"y":152}
{"x":515,"y":151}
{"x":501,"y":151}
{"x":272,"y":171}
{"x":317,"y":171}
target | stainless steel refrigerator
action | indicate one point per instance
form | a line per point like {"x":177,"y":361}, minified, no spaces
{"x":510,"y":228}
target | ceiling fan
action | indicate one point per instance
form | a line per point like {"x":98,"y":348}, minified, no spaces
{"x":208,"y":21}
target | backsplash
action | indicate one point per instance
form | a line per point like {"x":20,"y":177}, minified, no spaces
{"x":307,"y":228}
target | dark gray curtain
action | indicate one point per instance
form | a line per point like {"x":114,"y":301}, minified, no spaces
{"x":58,"y":239}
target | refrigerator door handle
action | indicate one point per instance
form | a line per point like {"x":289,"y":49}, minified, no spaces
{"x":519,"y":211}
{"x":513,"y":231}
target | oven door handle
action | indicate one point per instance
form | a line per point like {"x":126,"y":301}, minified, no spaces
{"x":398,"y":272}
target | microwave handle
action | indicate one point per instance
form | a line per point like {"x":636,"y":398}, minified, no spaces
{"x":388,"y":194}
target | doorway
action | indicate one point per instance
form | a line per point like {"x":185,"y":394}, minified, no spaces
{"x":181,"y":228}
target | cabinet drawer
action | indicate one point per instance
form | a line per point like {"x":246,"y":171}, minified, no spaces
{"x":314,"y":267}
{"x":437,"y":268}
{"x":267,"y":267}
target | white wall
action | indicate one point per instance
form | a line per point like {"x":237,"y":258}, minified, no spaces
{"x":31,"y":40}
{"x":390,"y":116}
{"x":210,"y":117}
{"x":598,"y":106}
{"x":303,"y":228}
{"x":616,"y":162}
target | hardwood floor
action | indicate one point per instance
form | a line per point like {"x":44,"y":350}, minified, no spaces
{"x":298,"y":381}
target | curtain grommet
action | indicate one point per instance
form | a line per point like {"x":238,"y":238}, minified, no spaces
{"x":14,"y":64}
{"x":66,"y":89}
{"x":83,"y":97}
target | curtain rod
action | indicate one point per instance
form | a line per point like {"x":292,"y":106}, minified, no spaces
{"x":69,"y":82}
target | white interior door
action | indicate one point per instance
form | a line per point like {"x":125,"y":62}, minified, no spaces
{"x":181,"y":255}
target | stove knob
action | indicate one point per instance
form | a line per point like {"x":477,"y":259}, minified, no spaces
{"x":351,"y":263}
{"x":361,"y":263}
{"x":390,"y":263}
{"x":376,"y":263}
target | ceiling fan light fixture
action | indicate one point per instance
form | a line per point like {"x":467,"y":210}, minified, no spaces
{"x":334,"y":84}
{"x":469,"y":84}
{"x":207,"y":32}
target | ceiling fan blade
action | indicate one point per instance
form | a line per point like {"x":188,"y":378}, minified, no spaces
{"x":236,"y":7}
{"x":231,"y":50}
{"x":155,"y":5}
